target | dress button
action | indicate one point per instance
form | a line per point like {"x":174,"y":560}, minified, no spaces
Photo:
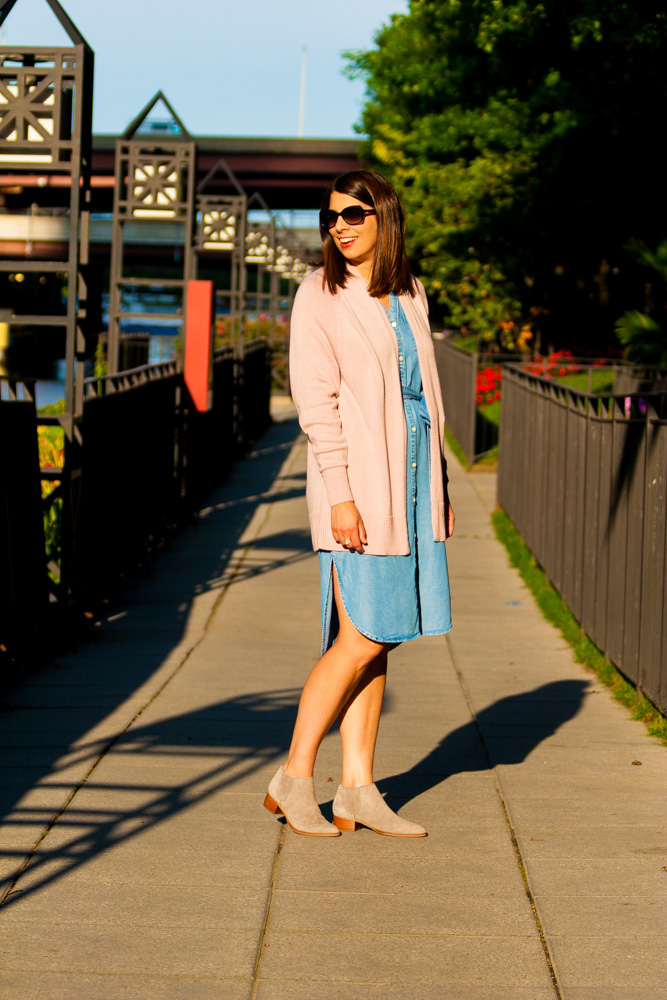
{"x":400,"y":357}
{"x":414,"y":465}
{"x":414,"y":499}
{"x":414,"y":428}
{"x":393,"y":324}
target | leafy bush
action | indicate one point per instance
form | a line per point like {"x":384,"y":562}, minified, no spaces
{"x":644,"y":338}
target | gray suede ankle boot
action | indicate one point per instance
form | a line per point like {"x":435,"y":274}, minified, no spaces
{"x":364,"y":806}
{"x":295,"y":799}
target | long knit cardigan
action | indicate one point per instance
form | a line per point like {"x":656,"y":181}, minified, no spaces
{"x":346,"y":386}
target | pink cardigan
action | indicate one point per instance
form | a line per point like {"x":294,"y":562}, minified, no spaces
{"x":347,"y":390}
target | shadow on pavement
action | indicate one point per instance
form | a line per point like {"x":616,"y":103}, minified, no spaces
{"x":225,"y":744}
{"x":504,"y":733}
{"x":43,"y":720}
{"x":219,"y":746}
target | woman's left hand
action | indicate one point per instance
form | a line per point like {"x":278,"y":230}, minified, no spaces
{"x":347,"y":525}
{"x":449,"y":517}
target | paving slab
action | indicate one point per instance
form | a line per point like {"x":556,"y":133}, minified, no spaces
{"x":421,"y":913}
{"x":55,"y":985}
{"x":613,"y":992}
{"x":403,"y":959}
{"x":170,"y":879}
{"x":639,"y":963}
{"x":273,"y":989}
{"x":607,"y":842}
{"x":109,"y":949}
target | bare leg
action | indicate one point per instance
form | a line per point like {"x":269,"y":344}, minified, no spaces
{"x":328,"y":688}
{"x":359,"y":722}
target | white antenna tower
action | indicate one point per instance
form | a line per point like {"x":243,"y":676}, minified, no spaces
{"x":302,"y":89}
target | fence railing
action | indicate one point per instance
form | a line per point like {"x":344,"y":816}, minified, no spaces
{"x":466,"y":378}
{"x":458,"y":370}
{"x":583,"y":478}
{"x":23,"y":580}
{"x":148,"y":458}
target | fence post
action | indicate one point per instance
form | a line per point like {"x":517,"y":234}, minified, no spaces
{"x":198,"y":348}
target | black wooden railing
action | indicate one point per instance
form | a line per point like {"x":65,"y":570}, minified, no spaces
{"x":457,"y":371}
{"x":23,"y":579}
{"x":148,"y":458}
{"x":583,"y":477}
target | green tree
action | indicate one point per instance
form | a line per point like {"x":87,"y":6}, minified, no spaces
{"x":523,"y":138}
{"x":643,"y":337}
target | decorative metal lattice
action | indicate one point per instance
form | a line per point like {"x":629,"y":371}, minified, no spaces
{"x":219,"y":223}
{"x":220,"y":232}
{"x":154,"y":184}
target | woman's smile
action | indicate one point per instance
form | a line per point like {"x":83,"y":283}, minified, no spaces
{"x":356,"y":243}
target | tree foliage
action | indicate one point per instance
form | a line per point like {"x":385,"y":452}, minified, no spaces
{"x":643,"y":337}
{"x":523,"y":140}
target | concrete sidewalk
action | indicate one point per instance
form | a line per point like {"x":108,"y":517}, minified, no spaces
{"x":145,"y":755}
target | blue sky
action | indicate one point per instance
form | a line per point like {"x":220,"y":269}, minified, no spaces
{"x":229,"y":67}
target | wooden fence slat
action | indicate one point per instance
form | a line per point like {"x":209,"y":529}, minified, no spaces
{"x":590,"y":569}
{"x":651,"y":678}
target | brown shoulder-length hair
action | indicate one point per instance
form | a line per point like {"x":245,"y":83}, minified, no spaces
{"x":391,"y":271}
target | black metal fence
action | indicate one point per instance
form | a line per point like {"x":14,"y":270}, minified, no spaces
{"x":23,"y":581}
{"x":458,"y":370}
{"x":128,"y":473}
{"x":148,"y":458}
{"x":583,"y":478}
{"x":210,"y":441}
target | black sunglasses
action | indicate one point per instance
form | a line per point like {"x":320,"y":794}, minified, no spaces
{"x":354,"y":215}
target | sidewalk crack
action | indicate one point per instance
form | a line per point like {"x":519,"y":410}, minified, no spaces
{"x":510,"y":828}
{"x":266,"y":923}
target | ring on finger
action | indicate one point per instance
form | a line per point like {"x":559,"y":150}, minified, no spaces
{"x":347,"y":541}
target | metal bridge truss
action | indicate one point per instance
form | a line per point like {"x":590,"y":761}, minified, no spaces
{"x":46,"y":123}
{"x":154,"y":182}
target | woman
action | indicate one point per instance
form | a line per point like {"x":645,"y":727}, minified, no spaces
{"x":366,"y":388}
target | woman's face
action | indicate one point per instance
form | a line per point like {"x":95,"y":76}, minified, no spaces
{"x":356,"y":243}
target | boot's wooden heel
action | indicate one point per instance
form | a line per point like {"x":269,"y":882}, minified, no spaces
{"x":272,"y":806}
{"x":346,"y":824}
{"x":294,"y":798}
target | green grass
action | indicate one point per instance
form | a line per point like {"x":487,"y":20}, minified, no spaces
{"x":488,"y":460}
{"x":557,"y":612}
{"x":468,"y":342}
{"x":490,"y":413}
{"x":601,"y":382}
{"x":456,"y":448}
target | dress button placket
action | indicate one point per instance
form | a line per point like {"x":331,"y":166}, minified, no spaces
{"x":412,"y":444}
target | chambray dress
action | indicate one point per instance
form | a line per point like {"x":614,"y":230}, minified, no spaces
{"x":395,"y":598}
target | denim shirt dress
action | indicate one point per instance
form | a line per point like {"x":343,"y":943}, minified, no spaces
{"x":395,"y":598}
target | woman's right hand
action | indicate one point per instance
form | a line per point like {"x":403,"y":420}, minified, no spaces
{"x":346,"y":523}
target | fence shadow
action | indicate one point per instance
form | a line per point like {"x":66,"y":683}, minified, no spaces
{"x":219,"y":746}
{"x":225,"y":744}
{"x":45,"y":719}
